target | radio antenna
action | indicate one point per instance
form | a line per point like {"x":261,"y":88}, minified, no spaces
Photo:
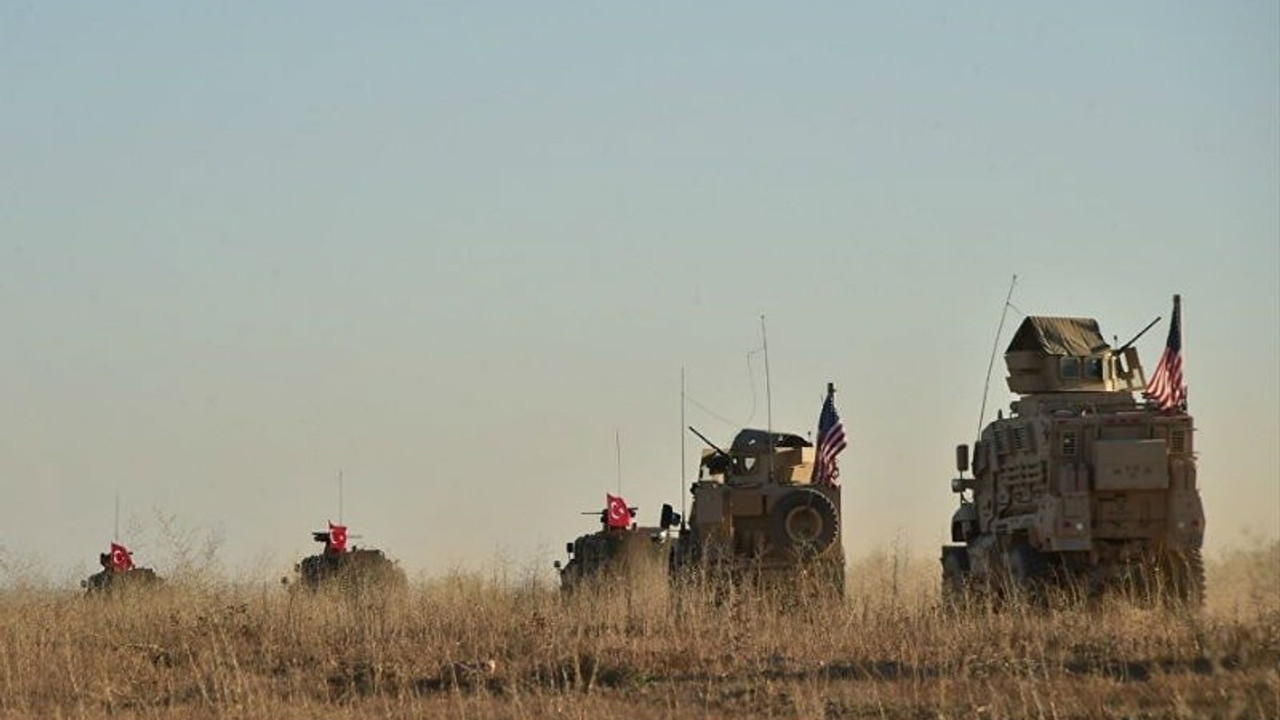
{"x":617,"y":452}
{"x":339,"y":496}
{"x":683,"y":465}
{"x":982,"y":412}
{"x":116,"y":534}
{"x":768,"y":395}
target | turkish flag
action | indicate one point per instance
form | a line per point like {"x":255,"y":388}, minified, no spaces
{"x":617,"y":515}
{"x":337,"y":537}
{"x":121,"y":558}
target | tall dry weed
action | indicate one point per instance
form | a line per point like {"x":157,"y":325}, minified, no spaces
{"x":511,"y":645}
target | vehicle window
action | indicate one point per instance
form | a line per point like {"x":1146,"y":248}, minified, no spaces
{"x":1093,"y":368}
{"x":1069,"y":367}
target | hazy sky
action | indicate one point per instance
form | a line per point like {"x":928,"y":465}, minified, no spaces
{"x":450,"y":249}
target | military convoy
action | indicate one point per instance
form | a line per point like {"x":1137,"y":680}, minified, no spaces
{"x":1083,"y":487}
{"x":340,"y":567}
{"x":759,"y":520}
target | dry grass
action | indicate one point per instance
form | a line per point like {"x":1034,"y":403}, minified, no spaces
{"x":220,"y":649}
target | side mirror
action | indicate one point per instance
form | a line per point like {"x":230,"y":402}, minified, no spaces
{"x":568,"y":548}
{"x":670,"y":518}
{"x":962,"y":458}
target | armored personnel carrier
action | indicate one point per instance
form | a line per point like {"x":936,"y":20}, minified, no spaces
{"x":759,"y":519}
{"x":347,"y":568}
{"x":619,"y":550}
{"x":119,"y":573}
{"x":1083,"y":485}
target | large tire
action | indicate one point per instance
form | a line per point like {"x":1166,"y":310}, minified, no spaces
{"x":1029,"y":572}
{"x":955,"y":574}
{"x":804,"y":522}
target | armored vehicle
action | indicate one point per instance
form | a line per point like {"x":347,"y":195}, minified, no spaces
{"x":119,"y":573}
{"x":347,"y":568}
{"x":1083,"y":486}
{"x":619,"y":550}
{"x":758,"y":518}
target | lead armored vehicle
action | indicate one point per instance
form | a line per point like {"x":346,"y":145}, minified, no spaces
{"x":1085,"y":485}
{"x":347,"y":568}
{"x":759,"y":520}
{"x":619,"y":550}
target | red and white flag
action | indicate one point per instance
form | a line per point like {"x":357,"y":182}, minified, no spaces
{"x":1166,"y":388}
{"x":337,"y":538}
{"x":616,"y":514}
{"x":121,"y":558}
{"x":831,"y":442}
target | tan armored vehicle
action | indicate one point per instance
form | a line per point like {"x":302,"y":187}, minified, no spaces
{"x":758,"y":519}
{"x":619,"y":550}
{"x":119,"y":573}
{"x":1083,"y":486}
{"x":347,"y":568}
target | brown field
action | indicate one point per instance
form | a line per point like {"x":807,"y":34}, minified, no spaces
{"x":215,"y":648}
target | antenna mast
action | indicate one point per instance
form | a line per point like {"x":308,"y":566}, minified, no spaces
{"x":683,"y":465}
{"x":617,"y":452}
{"x":768,"y":395}
{"x":982,"y":412}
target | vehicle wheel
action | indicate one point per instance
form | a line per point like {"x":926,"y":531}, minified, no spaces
{"x":804,"y":522}
{"x":955,"y":574}
{"x":1029,"y":571}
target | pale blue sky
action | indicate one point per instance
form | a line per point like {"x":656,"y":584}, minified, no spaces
{"x":450,"y":249}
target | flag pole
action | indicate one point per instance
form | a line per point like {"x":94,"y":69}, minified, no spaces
{"x":340,"y":496}
{"x":115,"y":536}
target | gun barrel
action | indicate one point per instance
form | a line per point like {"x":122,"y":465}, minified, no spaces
{"x":704,"y":439}
{"x":1141,"y":332}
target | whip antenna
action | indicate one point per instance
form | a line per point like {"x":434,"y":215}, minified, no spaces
{"x":768,"y":395}
{"x":982,"y":412}
{"x":683,"y":465}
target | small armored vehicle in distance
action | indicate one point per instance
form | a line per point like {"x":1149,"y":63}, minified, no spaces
{"x":347,"y":568}
{"x":619,"y":550}
{"x":119,"y":573}
{"x":1083,"y":486}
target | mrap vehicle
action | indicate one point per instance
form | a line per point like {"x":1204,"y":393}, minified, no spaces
{"x":1085,"y":485}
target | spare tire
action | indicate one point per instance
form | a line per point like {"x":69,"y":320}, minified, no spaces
{"x":804,"y":521}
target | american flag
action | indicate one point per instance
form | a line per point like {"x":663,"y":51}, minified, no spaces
{"x":831,"y":441}
{"x":1165,"y":388}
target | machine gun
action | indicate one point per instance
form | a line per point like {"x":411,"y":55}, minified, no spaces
{"x":718,"y":463}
